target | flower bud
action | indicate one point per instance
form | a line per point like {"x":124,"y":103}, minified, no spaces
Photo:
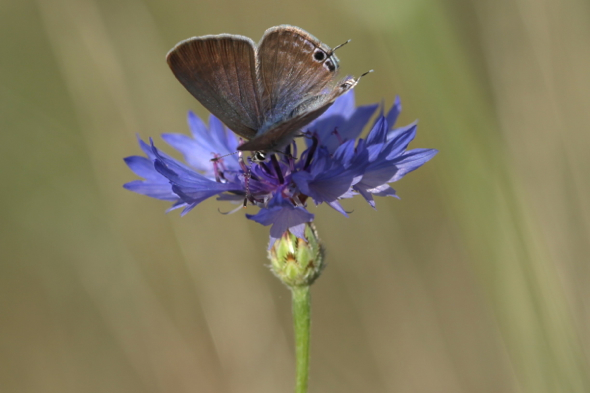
{"x":295,"y":261}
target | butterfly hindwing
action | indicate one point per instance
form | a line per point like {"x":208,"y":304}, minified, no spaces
{"x":281,"y":134}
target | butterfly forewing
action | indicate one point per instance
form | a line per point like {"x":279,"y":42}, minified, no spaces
{"x":220,"y":72}
{"x":291,"y":70}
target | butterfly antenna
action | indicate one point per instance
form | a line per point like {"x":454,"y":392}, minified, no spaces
{"x":349,"y":83}
{"x":336,"y":47}
{"x":366,"y":73}
{"x":225,"y":155}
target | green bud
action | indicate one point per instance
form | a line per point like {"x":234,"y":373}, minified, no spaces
{"x":297,"y":262}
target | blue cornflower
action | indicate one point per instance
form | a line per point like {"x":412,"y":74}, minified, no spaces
{"x":335,"y":165}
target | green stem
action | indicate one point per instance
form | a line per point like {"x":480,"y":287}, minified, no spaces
{"x":301,"y":319}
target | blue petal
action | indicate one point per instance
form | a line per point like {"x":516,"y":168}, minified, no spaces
{"x":325,"y":186}
{"x":282,"y":216}
{"x":143,"y":167}
{"x":149,"y":151}
{"x":194,"y":153}
{"x":410,"y":161}
{"x":177,"y":205}
{"x":345,"y":153}
{"x":341,"y":127}
{"x":384,"y":190}
{"x":374,"y":151}
{"x":344,"y":105}
{"x":198,"y":128}
{"x":349,"y":194}
{"x":332,"y":119}
{"x":326,"y":130}
{"x":377,"y":174}
{"x":326,"y":179}
{"x":215,"y":139}
{"x":378,"y":133}
{"x":336,"y":206}
{"x":161,"y":191}
{"x":299,"y":231}
{"x":361,"y":158}
{"x":188,"y":208}
{"x":399,"y":139}
{"x":367,"y":195}
{"x":357,"y":122}
{"x":394,"y":112}
{"x":191,"y":186}
{"x":218,"y":134}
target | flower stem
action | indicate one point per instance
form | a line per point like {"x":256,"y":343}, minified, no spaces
{"x":302,"y":320}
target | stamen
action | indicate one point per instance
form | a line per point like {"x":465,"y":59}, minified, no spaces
{"x":312,"y":150}
{"x":291,"y":160}
{"x":277,"y":168}
{"x":241,"y":162}
{"x":288,"y":151}
{"x":338,"y":136}
{"x":216,"y":171}
{"x":247,"y":176}
{"x":222,"y":178}
{"x":294,"y":150}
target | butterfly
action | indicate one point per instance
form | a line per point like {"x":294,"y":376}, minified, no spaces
{"x":265,"y":93}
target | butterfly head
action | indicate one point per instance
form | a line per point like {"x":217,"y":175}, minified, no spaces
{"x":259,"y":156}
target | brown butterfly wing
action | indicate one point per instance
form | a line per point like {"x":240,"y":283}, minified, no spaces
{"x":220,"y":72}
{"x":281,"y":134}
{"x":293,"y":66}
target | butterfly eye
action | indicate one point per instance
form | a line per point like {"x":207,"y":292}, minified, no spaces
{"x":319,"y":55}
{"x":259,"y":156}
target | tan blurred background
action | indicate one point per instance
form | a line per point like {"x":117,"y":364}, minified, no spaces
{"x":477,"y":280}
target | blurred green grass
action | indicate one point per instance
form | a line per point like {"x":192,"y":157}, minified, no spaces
{"x":476,"y":280}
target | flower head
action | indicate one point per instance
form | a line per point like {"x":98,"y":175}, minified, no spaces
{"x":336,"y":164}
{"x":297,"y":260}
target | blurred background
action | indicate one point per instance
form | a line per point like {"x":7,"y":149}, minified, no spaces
{"x":477,"y":280}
